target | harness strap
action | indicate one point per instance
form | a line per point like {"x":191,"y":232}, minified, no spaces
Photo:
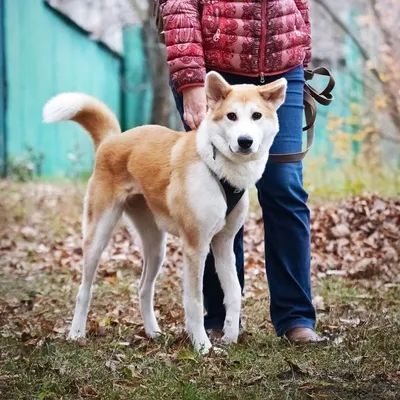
{"x":231,"y":194}
{"x":311,"y":95}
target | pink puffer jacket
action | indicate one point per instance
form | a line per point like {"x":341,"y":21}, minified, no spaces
{"x":248,"y":37}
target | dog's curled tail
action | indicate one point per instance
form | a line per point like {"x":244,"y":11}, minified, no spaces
{"x":87,"y":111}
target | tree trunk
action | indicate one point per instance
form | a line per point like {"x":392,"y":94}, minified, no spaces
{"x":157,"y":65}
{"x":394,"y":112}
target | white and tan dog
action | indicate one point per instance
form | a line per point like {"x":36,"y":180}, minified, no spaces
{"x":165,"y":181}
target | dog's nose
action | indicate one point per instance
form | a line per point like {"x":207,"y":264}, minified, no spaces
{"x":245,"y":142}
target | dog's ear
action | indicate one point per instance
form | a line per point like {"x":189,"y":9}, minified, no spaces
{"x":217,"y":88}
{"x":274,"y":93}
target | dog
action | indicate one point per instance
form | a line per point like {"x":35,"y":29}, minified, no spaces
{"x":165,"y":181}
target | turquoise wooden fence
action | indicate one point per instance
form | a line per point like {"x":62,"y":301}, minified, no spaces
{"x":3,"y":150}
{"x":348,"y":102}
{"x":136,"y":83}
{"x":47,"y":55}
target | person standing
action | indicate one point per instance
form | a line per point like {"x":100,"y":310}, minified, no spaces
{"x":253,"y":42}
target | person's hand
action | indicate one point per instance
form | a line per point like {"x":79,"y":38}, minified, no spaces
{"x":194,"y":105}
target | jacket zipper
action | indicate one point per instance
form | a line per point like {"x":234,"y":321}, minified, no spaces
{"x":217,"y":34}
{"x":261,"y":61}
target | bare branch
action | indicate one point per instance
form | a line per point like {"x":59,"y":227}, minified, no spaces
{"x":348,"y":32}
{"x":385,"y":32}
{"x":139,"y":10}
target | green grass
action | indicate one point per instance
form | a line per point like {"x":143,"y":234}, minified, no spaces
{"x":116,"y":361}
{"x":364,"y":365}
{"x":351,"y":179}
{"x":361,"y":361}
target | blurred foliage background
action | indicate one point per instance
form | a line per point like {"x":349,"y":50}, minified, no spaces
{"x":109,"y":48}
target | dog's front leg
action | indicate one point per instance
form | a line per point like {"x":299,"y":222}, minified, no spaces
{"x":194,"y":261}
{"x":222,"y":246}
{"x":225,"y":266}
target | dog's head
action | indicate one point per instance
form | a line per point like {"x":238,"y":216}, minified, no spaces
{"x":242,"y":120}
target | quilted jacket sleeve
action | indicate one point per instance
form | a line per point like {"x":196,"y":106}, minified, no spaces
{"x":303,"y":7}
{"x":183,"y":40}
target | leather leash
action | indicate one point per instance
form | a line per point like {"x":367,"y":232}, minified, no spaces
{"x":311,"y":96}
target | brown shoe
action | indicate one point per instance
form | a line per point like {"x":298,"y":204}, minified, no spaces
{"x":215,"y":335}
{"x":304,"y":336}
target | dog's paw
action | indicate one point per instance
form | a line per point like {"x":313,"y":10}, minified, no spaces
{"x":154,"y":334}
{"x":203,"y":348}
{"x":75,"y":334}
{"x":230,"y":337}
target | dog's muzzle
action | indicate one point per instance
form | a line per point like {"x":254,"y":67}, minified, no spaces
{"x":245,"y":143}
{"x":241,"y":151}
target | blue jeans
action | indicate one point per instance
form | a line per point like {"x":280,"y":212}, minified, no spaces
{"x":286,"y":222}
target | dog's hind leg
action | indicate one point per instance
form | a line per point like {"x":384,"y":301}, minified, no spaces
{"x":222,"y":247}
{"x":101,"y":214}
{"x":153,"y":252}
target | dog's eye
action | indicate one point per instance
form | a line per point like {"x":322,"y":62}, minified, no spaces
{"x":256,"y":116}
{"x":232,"y":116}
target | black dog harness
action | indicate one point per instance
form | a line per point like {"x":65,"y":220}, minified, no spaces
{"x":232,"y":195}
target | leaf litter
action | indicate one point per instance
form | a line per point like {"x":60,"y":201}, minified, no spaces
{"x":40,"y":239}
